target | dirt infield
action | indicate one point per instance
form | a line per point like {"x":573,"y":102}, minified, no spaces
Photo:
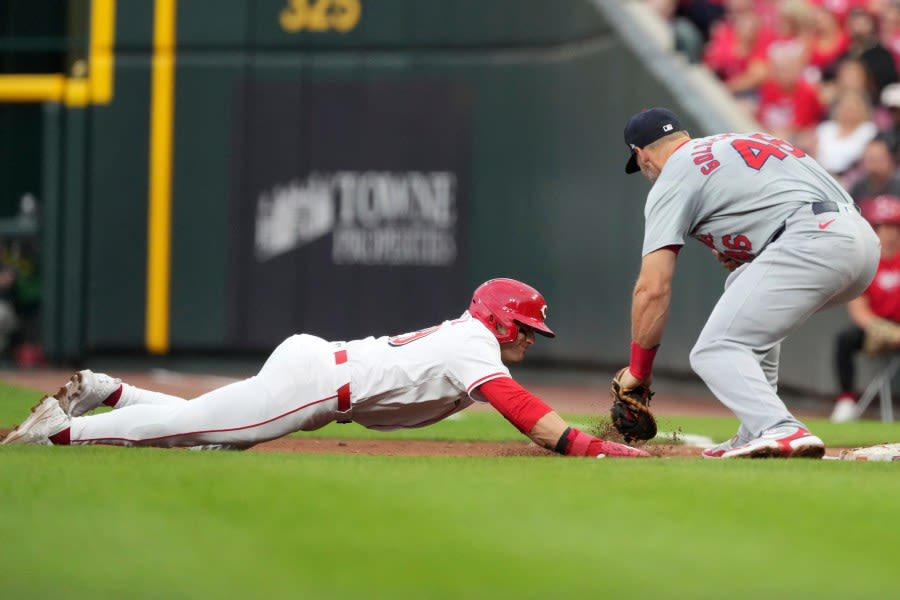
{"x":434,"y":448}
{"x":583,"y":399}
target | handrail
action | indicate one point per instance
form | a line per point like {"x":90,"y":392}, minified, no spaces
{"x":91,"y":81}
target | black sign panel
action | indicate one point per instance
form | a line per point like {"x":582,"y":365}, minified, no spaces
{"x":349,"y":210}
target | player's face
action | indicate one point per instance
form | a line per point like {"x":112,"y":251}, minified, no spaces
{"x":514,"y":351}
{"x":889,"y":235}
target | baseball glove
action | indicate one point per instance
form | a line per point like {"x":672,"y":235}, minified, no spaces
{"x":881,"y":335}
{"x":630,"y":411}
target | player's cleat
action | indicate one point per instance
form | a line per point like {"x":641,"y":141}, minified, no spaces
{"x":47,"y":418}
{"x":844,"y":410}
{"x":608,"y":448}
{"x":718,"y":450}
{"x":85,"y":391}
{"x":779,"y":442}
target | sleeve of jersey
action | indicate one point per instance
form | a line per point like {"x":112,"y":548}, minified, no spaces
{"x":519,"y":406}
{"x":477,"y":359}
{"x":667,"y":217}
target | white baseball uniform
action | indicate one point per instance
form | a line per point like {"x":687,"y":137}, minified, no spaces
{"x":383,"y":383}
{"x":763,"y":202}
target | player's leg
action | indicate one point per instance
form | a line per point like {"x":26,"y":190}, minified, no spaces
{"x":730,"y":350}
{"x":763,"y":303}
{"x":770,"y":363}
{"x":88,"y":390}
{"x":294,"y":390}
{"x":848,"y":344}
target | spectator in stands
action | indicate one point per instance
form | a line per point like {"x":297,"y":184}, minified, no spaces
{"x":830,"y":39}
{"x":841,"y":139}
{"x":890,"y":100}
{"x":867,"y":47}
{"x":737,"y":49}
{"x":702,"y":13}
{"x":20,"y":301}
{"x":688,"y":39}
{"x":889,"y":30}
{"x":9,"y":319}
{"x":878,"y":172}
{"x":841,"y":8}
{"x":789,"y":105}
{"x":793,"y":27}
{"x":874,"y":314}
{"x":848,"y":74}
{"x":795,"y":22}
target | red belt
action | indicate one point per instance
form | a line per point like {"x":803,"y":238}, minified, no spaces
{"x":343,"y":392}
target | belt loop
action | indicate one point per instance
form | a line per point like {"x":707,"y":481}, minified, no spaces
{"x":343,"y":392}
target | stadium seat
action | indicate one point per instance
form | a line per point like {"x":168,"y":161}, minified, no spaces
{"x":881,"y":386}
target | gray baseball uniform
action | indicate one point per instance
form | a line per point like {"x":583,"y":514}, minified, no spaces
{"x":805,"y":248}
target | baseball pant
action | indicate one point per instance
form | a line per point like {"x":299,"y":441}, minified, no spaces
{"x":295,"y":390}
{"x":808,"y":269}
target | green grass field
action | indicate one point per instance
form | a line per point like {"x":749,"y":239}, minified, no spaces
{"x":100,"y":522}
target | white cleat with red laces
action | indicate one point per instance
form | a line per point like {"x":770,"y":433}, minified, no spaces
{"x":787,"y":441}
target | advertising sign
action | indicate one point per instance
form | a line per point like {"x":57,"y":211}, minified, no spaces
{"x":349,"y":209}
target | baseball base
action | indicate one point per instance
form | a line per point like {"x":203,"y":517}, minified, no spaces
{"x":881,"y":452}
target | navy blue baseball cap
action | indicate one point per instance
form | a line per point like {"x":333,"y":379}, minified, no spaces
{"x":646,"y":127}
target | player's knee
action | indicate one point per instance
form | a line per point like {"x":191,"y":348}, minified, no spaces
{"x":702,"y":357}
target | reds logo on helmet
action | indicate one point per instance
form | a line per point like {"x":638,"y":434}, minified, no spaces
{"x":509,"y":303}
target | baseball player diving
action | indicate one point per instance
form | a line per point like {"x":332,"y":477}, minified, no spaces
{"x":792,"y":239}
{"x":390,"y":382}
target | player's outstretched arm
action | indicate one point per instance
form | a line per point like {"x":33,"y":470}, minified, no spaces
{"x":533,"y":417}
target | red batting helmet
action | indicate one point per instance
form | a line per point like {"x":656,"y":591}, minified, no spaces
{"x":882,"y":209}
{"x":509,"y":303}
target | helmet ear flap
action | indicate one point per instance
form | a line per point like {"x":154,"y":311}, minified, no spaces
{"x":481,"y":311}
{"x":497,"y":302}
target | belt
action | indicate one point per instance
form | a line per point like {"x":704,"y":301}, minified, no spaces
{"x":343,"y":392}
{"x":818,"y":208}
{"x":830,"y":206}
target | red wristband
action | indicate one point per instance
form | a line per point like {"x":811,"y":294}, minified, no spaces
{"x":577,"y":443}
{"x":641,"y":364}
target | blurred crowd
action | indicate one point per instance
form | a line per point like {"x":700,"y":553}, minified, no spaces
{"x":822,"y":74}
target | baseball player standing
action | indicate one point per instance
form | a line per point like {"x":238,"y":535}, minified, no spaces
{"x":384,"y":383}
{"x":792,"y":239}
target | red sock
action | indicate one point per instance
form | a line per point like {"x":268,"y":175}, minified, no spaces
{"x":114,"y":397}
{"x":61,"y":438}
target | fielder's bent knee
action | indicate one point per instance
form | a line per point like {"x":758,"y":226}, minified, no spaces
{"x":702,"y":357}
